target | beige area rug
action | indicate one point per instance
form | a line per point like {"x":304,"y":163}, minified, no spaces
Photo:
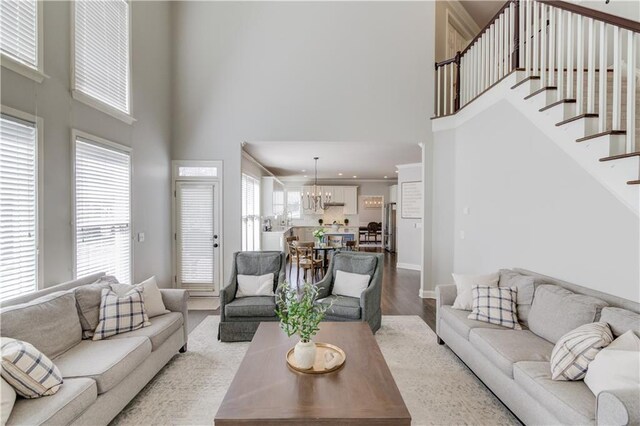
{"x":437,"y":387}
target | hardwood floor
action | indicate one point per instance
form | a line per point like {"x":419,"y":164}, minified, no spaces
{"x":400,"y":288}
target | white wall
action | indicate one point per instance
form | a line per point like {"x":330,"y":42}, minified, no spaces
{"x":530,"y":205}
{"x":409,"y":242}
{"x":149,"y":137}
{"x":287,"y":71}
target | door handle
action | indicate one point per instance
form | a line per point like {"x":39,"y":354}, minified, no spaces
{"x":215,"y":245}
{"x":215,"y":237}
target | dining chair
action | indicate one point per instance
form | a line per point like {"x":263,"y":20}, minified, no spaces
{"x":306,"y":261}
{"x":351,"y":245}
{"x":292,"y":253}
{"x":372,"y":229}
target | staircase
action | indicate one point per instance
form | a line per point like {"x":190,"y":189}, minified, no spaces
{"x":571,"y":70}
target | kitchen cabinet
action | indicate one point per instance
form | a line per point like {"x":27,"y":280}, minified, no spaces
{"x":337,"y":194}
{"x":350,"y":199}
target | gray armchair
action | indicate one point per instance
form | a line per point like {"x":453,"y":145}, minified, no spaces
{"x":367,"y":307}
{"x":240,"y":317}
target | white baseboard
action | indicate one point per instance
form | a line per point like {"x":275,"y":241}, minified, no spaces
{"x":408,"y":266}
{"x":427,"y":294}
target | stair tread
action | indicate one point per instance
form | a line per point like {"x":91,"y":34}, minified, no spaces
{"x":633,"y":182}
{"x":563,"y":101}
{"x":597,"y":135}
{"x":544,"y":89}
{"x":621,"y":156}
{"x":531,"y":77}
{"x":577,"y":117}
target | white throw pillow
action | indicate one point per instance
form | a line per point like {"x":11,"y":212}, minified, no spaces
{"x":153,"y":303}
{"x":8,"y":397}
{"x":617,"y":366}
{"x":31,"y":373}
{"x":255,"y":285}
{"x":574,"y":352}
{"x":350,"y":284}
{"x":464,"y":284}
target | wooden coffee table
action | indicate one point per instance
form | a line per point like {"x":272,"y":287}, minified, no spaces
{"x":265,"y":391}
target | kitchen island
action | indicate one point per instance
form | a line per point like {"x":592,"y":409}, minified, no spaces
{"x":276,"y":238}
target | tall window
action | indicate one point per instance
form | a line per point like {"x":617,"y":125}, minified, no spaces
{"x":102,"y":209}
{"x":293,"y":203}
{"x":250,"y":213}
{"x":101,"y":51}
{"x":278,"y":203}
{"x":19,"y":212}
{"x":19,"y":31}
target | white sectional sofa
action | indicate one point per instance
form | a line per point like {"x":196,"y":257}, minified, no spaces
{"x":515,"y":364}
{"x":100,"y":377}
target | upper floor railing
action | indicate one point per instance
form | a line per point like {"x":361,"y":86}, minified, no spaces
{"x":565,"y":46}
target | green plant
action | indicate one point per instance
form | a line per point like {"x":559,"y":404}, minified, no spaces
{"x":298,"y":311}
{"x":318,"y":233}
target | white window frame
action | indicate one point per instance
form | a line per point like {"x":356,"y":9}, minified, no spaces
{"x":75,"y":134}
{"x":175,"y":177}
{"x":257,"y":243}
{"x":36,"y":74}
{"x":39,"y":123}
{"x":82,"y":97}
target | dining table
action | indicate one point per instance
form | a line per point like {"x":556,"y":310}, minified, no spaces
{"x":324,"y":249}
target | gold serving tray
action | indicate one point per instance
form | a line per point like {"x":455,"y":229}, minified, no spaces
{"x":318,"y":366}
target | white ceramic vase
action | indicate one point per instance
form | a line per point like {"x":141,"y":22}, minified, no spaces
{"x":305,"y":354}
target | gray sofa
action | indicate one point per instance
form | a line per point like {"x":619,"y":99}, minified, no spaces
{"x":100,"y":377}
{"x":367,"y":306}
{"x":515,"y":364}
{"x":240,"y":317}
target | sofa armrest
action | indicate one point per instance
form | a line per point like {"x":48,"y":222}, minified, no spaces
{"x":176,"y":300}
{"x":618,"y":407}
{"x":446,"y":294}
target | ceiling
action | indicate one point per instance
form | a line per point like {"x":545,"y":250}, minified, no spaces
{"x":355,"y":160}
{"x":482,"y":10}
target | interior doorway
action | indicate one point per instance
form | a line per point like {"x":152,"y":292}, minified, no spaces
{"x":371,"y":220}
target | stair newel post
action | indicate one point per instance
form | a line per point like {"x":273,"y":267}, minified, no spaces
{"x":515,"y":58}
{"x":458,"y":69}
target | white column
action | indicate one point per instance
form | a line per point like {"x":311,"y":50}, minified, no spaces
{"x":552,"y":46}
{"x":512,"y":11}
{"x":560,"y":35}
{"x":580,"y":65}
{"x":543,"y":45}
{"x":570,"y":71}
{"x":452,"y":68}
{"x":438,"y":99}
{"x":536,"y":38}
{"x":527,"y":38}
{"x":591,"y":67}
{"x":617,"y":80}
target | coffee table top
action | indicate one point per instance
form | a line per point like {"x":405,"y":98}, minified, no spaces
{"x":265,"y":391}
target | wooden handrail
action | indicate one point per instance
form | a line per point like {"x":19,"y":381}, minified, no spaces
{"x":445,"y":62}
{"x":608,"y":18}
{"x":486,"y":27}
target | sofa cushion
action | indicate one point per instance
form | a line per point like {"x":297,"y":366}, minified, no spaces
{"x":88,"y":299}
{"x":571,"y":402}
{"x":105,"y":361}
{"x":556,"y":311}
{"x":161,"y":328}
{"x":355,"y":263}
{"x":259,"y":263}
{"x":459,"y":321}
{"x":506,"y":347}
{"x":621,"y":320}
{"x":50,"y":323}
{"x":257,"y":306}
{"x":75,"y":396}
{"x":343,"y":306}
{"x":526,"y":289}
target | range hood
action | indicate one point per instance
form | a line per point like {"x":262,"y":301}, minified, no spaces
{"x":333,"y":204}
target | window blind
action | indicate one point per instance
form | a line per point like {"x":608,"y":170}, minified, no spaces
{"x":196,"y":229}
{"x":19,"y":30}
{"x":18,"y":207}
{"x":293,"y":203}
{"x":102,"y":210}
{"x":101,"y":66}
{"x":250,"y":213}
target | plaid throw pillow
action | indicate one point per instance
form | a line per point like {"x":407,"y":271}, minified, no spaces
{"x":574,"y":351}
{"x":495,"y":305}
{"x":28,"y":370}
{"x":120,"y":314}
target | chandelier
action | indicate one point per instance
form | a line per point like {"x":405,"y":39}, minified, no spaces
{"x":315,"y":200}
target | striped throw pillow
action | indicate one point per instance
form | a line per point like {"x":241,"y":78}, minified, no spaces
{"x":28,"y":370}
{"x":574,"y":351}
{"x":495,"y":305}
{"x":120,"y":314}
